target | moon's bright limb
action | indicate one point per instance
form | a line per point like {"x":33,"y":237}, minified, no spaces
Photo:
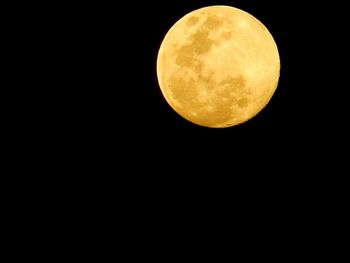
{"x":218,"y":66}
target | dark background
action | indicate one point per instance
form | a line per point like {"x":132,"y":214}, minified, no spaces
{"x":100,"y":107}
{"x":99,"y":60}
{"x":100,"y":142}
{"x":124,"y":105}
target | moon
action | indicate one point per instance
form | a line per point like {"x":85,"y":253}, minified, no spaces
{"x":218,"y":66}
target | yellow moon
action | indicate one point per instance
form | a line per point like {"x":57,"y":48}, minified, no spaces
{"x":218,"y":66}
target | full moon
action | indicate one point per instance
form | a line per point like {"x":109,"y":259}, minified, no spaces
{"x":218,"y":66}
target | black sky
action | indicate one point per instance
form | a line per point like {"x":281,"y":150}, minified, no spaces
{"x":95,"y":133}
{"x":102,"y":138}
{"x":121,"y":108}
{"x":130,"y":55}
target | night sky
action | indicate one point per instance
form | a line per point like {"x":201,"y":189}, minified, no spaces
{"x":146,"y":115}
{"x":102,"y":153}
{"x":121,"y":108}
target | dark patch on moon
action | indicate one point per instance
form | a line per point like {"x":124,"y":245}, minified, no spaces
{"x":212,"y":22}
{"x":234,"y":83}
{"x":192,"y":21}
{"x":182,"y":89}
{"x":243,"y":102}
{"x":234,"y":88}
{"x":185,"y":56}
{"x":200,"y":42}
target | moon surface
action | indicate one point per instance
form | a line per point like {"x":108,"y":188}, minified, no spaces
{"x":218,"y":66}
